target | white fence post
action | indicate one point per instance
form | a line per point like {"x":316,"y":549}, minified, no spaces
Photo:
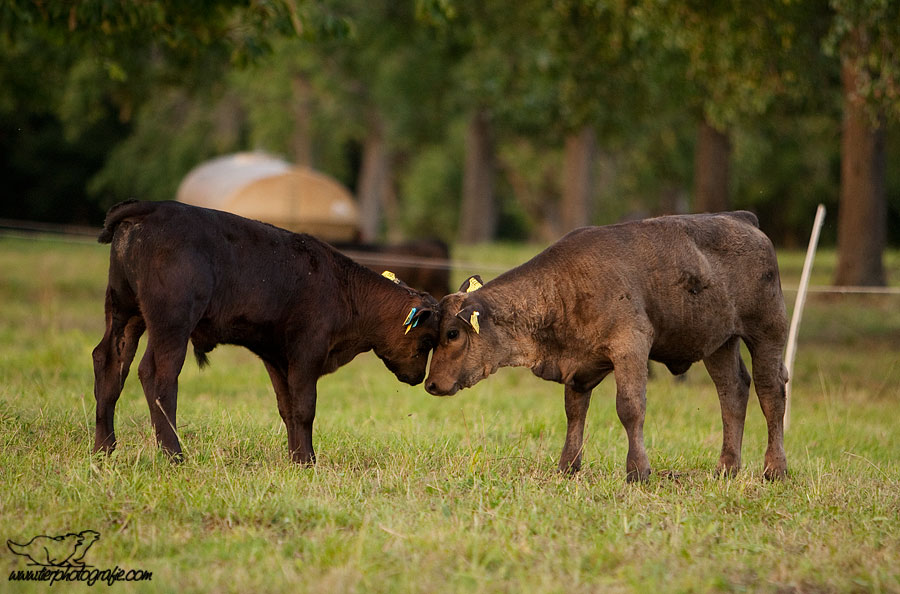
{"x":791,"y":350}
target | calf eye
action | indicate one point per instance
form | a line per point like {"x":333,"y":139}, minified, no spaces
{"x":452,"y":334}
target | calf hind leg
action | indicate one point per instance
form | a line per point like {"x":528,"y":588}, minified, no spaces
{"x":112,"y":360}
{"x":732,"y":382}
{"x":770,"y":377}
{"x":158,"y":371}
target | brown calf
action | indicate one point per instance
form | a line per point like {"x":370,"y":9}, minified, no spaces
{"x":674,"y":289}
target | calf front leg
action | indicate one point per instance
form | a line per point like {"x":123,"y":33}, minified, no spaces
{"x":631,"y":401}
{"x":300,"y":413}
{"x":576,"y":411}
{"x":292,"y":423}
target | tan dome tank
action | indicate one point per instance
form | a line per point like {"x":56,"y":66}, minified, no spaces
{"x":262,"y":187}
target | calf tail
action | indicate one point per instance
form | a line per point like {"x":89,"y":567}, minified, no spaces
{"x":746,"y":216}
{"x":120,"y":212}
{"x":200,"y":351}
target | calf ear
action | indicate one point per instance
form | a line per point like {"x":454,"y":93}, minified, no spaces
{"x":473,"y":283}
{"x":415,"y":316}
{"x":470,"y":315}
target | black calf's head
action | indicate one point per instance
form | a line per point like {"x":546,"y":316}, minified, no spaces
{"x":410,"y":332}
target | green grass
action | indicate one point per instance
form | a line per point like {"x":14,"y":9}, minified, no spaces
{"x":413,"y":493}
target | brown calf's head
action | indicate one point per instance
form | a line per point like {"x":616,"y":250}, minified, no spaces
{"x":410,"y":335}
{"x":464,"y":354}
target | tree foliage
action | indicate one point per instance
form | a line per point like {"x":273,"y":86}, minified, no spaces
{"x":123,"y":98}
{"x":866,"y":35}
{"x":739,"y":58}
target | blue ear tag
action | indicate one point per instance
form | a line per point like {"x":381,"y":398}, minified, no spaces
{"x":408,"y":323}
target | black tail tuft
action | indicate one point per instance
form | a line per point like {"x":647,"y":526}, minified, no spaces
{"x":202,"y":359}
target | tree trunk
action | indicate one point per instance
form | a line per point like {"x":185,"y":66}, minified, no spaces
{"x":393,"y":228}
{"x":578,"y":183}
{"x":711,"y":169}
{"x":374,"y":180}
{"x":301,"y":138}
{"x":540,"y":200}
{"x":478,"y":212}
{"x":862,"y":210}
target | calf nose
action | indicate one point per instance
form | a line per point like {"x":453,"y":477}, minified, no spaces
{"x":432,"y":387}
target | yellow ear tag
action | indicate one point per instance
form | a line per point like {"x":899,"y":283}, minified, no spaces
{"x":474,"y":285}
{"x":391,"y":276}
{"x":473,"y":320}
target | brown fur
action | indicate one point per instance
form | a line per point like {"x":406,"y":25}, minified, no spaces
{"x":677,"y":289}
{"x":184,"y":273}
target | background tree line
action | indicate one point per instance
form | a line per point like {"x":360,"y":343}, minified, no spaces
{"x":466,"y":120}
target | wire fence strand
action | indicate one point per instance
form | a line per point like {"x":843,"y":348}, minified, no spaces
{"x":81,"y":235}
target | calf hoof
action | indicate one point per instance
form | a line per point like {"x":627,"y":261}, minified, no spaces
{"x":776,"y":467}
{"x":637,"y":467}
{"x":569,"y":469}
{"x":304,"y":460}
{"x":174,"y":457}
{"x":637,"y":476}
{"x":775,"y":474}
{"x":104,"y":448}
{"x":102,"y":456}
{"x":727,"y":470}
{"x":729,"y":465}
{"x":172,"y":452}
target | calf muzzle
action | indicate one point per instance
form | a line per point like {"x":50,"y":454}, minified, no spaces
{"x":434,"y":389}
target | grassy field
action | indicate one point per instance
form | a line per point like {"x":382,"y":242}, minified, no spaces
{"x":419,"y":494}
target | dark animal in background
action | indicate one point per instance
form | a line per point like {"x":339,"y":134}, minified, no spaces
{"x":183,"y":273}
{"x":421,"y":263}
{"x":675,"y":289}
